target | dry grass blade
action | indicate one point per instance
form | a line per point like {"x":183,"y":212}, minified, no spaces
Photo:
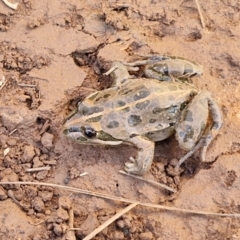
{"x":149,"y":181}
{"x":200,"y":13}
{"x":109,"y":221}
{"x":106,"y":196}
{"x":11,"y":5}
{"x":70,"y":234}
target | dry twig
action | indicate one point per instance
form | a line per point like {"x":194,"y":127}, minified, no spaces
{"x":38,"y":169}
{"x":70,"y":234}
{"x":106,"y":196}
{"x":149,"y":181}
{"x":109,"y":221}
{"x":11,"y":5}
{"x":3,"y":82}
{"x":27,"y":85}
{"x":200,"y":14}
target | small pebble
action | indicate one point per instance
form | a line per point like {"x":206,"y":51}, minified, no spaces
{"x":65,"y":202}
{"x":118,"y":235}
{"x":62,"y":215}
{"x":41,"y":175}
{"x":12,"y":142}
{"x":146,"y":236}
{"x":45,"y":195}
{"x":37,"y":163}
{"x":38,"y":204}
{"x":47,"y":140}
{"x":3,"y":194}
{"x":28,"y":154}
{"x":57,"y":229}
{"x":120,"y":224}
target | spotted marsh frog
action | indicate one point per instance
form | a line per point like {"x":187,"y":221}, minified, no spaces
{"x":143,"y":111}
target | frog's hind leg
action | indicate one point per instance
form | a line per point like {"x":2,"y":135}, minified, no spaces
{"x":193,"y":131}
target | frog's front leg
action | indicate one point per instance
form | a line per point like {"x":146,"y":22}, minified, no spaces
{"x":144,"y":159}
{"x":193,"y":130}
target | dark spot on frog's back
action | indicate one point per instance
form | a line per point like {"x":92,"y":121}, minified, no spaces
{"x":121,"y":103}
{"x":142,"y":105}
{"x":107,"y":95}
{"x":157,"y":110}
{"x":189,"y":116}
{"x":98,"y":99}
{"x":134,"y":120}
{"x":126,"y":109}
{"x":85,"y":111}
{"x":152,"y":120}
{"x":113,"y":124}
{"x":125,"y":91}
{"x":141,"y":94}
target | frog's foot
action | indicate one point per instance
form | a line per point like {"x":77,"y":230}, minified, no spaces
{"x":131,"y":166}
{"x":142,"y":163}
{"x":200,"y":144}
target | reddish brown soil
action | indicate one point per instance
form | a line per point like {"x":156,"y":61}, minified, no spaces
{"x":62,"y":48}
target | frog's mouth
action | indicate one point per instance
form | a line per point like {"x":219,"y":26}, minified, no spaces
{"x":89,"y":136}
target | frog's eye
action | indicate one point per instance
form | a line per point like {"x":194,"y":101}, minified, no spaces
{"x":89,"y":132}
{"x":74,"y":129}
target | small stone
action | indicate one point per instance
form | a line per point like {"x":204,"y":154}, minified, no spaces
{"x":9,"y":162}
{"x":120,"y":224}
{"x":47,"y":140}
{"x":31,"y":192}
{"x":37,"y":163}
{"x":19,"y":195}
{"x":45,"y":195}
{"x":12,"y":142}
{"x":3,"y":140}
{"x":10,"y":177}
{"x":48,"y":212}
{"x":174,"y":162}
{"x":50,"y":162}
{"x":28,"y":154}
{"x":57,"y":229}
{"x":146,"y":236}
{"x":62,"y":215}
{"x":41,"y":175}
{"x":3,"y":194}
{"x":118,"y":235}
{"x":38,"y":204}
{"x":11,"y":119}
{"x":43,"y":157}
{"x":127,"y":223}
{"x":160,"y":166}
{"x":65,"y":202}
{"x":89,"y":224}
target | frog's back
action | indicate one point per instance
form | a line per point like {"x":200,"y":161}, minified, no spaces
{"x":137,"y":107}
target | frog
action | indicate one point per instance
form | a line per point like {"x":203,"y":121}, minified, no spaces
{"x":168,"y":68}
{"x":142,"y":111}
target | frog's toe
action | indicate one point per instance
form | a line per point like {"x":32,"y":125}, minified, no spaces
{"x":132,"y":160}
{"x":131,"y":167}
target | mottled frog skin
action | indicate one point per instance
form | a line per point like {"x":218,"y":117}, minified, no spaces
{"x":143,"y":111}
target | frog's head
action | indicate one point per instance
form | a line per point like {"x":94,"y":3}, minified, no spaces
{"x":83,"y":132}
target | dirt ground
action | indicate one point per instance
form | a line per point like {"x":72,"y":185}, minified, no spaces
{"x":53,"y":54}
